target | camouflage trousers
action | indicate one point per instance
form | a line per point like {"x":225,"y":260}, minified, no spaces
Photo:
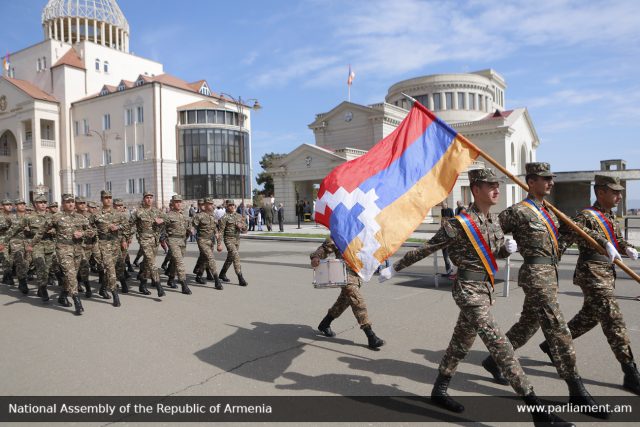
{"x":89,"y":249}
{"x":7,"y":261}
{"x":474,"y":298}
{"x":206,"y":258}
{"x":149,"y":246}
{"x":176,"y":267}
{"x":43,"y":260}
{"x":600,"y":306}
{"x":21,"y":259}
{"x":233,"y":256}
{"x":70,"y":257}
{"x":121,"y":265}
{"x":541,"y":310}
{"x":350,"y":296}
{"x":109,"y":251}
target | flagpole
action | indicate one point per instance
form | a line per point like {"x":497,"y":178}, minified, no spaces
{"x":349,"y":92}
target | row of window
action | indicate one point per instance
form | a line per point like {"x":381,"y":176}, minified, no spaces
{"x":218,"y":117}
{"x":213,"y":145}
{"x":41,"y":64}
{"x":131,"y":116}
{"x":133,"y":186}
{"x":445,"y":101}
{"x":134,"y":154}
{"x":105,"y":66}
{"x":216,"y":186}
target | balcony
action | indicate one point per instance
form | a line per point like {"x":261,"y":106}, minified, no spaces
{"x":48,"y":143}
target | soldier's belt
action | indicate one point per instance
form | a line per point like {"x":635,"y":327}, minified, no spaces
{"x":548,"y":260}
{"x":593,"y":257}
{"x":473,"y":275}
{"x":69,"y":242}
{"x":108,"y":237}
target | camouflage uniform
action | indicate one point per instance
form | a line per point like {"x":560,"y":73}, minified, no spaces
{"x":124,"y":238}
{"x":16,"y":237}
{"x":43,"y":253}
{"x":472,"y":291}
{"x":231,"y":225}
{"x":148,"y":234}
{"x":206,"y":227}
{"x":5,"y":256}
{"x":108,"y":243}
{"x":177,"y":226}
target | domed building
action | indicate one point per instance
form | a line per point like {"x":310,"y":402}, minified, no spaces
{"x":472,"y":103}
{"x":80,"y":113}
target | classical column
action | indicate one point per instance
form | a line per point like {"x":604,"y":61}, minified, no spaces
{"x":117,"y":38}
{"x":69,"y":32}
{"x":95,"y":31}
{"x":19,"y":133}
{"x":102,"y":34}
{"x":36,"y":150}
{"x":61,"y":22}
{"x":86,"y":29}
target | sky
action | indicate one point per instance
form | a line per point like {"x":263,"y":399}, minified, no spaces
{"x":573,"y":64}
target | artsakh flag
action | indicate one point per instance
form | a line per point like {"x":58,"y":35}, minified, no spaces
{"x":351,"y":76}
{"x":373,"y":203}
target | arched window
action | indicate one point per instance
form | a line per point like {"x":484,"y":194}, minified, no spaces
{"x":106,"y":66}
{"x":204,"y":90}
{"x":513,"y":154}
{"x":97,"y":64}
{"x":38,"y":65}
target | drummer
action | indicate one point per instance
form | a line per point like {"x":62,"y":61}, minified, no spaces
{"x":349,"y":296}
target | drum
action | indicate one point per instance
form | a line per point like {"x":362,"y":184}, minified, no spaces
{"x":331,"y":273}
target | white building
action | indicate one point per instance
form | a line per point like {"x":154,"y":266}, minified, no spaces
{"x":473,"y":104}
{"x":79,"y":113}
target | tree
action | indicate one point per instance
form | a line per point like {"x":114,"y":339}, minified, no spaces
{"x":263,"y":177}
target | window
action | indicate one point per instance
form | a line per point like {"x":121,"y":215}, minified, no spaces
{"x":106,"y":66}
{"x":204,"y":90}
{"x":128,"y":116}
{"x":38,"y":66}
{"x":85,"y":126}
{"x":44,"y":63}
{"x":448,"y":100}
{"x":121,"y":87}
{"x":461,"y":97}
{"x":97,"y":64}
{"x":78,"y":190}
{"x":202,"y":116}
{"x":141,"y":187}
{"x":106,"y":122}
{"x":78,"y":165}
{"x":107,"y":185}
{"x":87,"y":190}
{"x":131,"y":186}
{"x":480,"y":107}
{"x":76,"y":128}
{"x":86,"y":160}
{"x":472,"y":101}
{"x":130,"y":153}
{"x":104,"y":92}
{"x":106,"y":156}
{"x":140,"y":149}
{"x":513,"y":154}
{"x":139,"y":82}
{"x":139,"y":114}
{"x":437,"y":101}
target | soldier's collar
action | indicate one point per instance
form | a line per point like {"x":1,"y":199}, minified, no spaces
{"x":599,"y":207}
{"x":473,"y":208}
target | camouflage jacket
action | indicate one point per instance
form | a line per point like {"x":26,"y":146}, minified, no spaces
{"x":528,"y":230}
{"x":103,"y":220}
{"x":144,"y":220}
{"x":35,"y":222}
{"x":89,"y":240}
{"x":329,"y":247}
{"x":206,"y":225}
{"x":231,"y":225}
{"x":177,"y":225}
{"x":125,"y":231}
{"x":65,"y":224}
{"x":5,"y":225}
{"x":18,"y":229}
{"x":461,"y":251}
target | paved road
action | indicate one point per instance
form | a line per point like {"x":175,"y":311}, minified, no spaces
{"x":261,"y":340}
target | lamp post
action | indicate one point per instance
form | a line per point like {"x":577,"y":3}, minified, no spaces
{"x":103,"y":140}
{"x":240,"y":105}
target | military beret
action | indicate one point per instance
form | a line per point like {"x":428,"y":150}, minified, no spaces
{"x":80,"y":199}
{"x":7,"y":202}
{"x":229,"y":202}
{"x":613,"y":182}
{"x":105,"y":193}
{"x":53,"y":204}
{"x":40,"y":198}
{"x":118,"y":202}
{"x":176,"y":198}
{"x":483,"y":175}
{"x":19,"y":201}
{"x":538,"y":168}
{"x":67,"y":196}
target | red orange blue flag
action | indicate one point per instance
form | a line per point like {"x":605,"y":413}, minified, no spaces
{"x":373,"y":203}
{"x":351,"y":76}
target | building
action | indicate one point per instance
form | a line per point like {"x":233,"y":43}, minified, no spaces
{"x":79,"y":113}
{"x":473,"y":104}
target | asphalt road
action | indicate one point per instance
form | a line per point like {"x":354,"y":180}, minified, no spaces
{"x":261,"y":340}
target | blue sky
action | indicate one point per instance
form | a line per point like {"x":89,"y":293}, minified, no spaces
{"x":573,"y":64}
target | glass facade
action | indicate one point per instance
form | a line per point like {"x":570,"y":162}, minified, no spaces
{"x":213,"y":162}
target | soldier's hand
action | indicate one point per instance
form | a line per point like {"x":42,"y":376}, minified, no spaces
{"x":315,"y":261}
{"x":511,"y":245}
{"x":125,"y":246}
{"x":386,"y":274}
{"x":159,"y":221}
{"x":632,"y":253}
{"x":1,"y":247}
{"x":612,"y":252}
{"x":219,"y":247}
{"x":29,"y":248}
{"x":114,"y":227}
{"x":78,"y":234}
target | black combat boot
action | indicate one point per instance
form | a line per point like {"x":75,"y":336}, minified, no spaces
{"x":185,"y":287}
{"x":116,"y":298}
{"x":172,"y":283}
{"x":216,"y":280}
{"x":22,"y":285}
{"x":440,"y":397}
{"x":325,"y":326}
{"x":541,"y":417}
{"x":63,"y":299}
{"x":80,"y":288}
{"x":103,"y":292}
{"x":223,"y":273}
{"x":77,"y":304}
{"x":578,"y":395}
{"x":143,"y":287}
{"x":490,"y":365}
{"x":130,"y":267}
{"x":209,"y":275}
{"x":631,"y":377}
{"x":158,"y":285}
{"x":241,"y":280}
{"x":88,"y":293}
{"x":124,"y":286}
{"x":374,"y":341}
{"x":544,"y":346}
{"x":43,"y":294}
{"x":7,"y":279}
{"x":200,"y":280}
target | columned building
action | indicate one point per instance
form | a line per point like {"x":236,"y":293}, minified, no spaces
{"x":473,"y":104}
{"x":79,"y":113}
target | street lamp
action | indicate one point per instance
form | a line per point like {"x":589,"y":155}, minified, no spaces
{"x":240,"y":103}
{"x":103,"y":139}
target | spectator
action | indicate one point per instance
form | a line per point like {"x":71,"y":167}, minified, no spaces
{"x":460,"y":207}
{"x":281,"y":217}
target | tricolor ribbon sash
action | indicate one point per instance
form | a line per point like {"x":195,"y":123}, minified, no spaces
{"x":605,"y":225}
{"x":546,"y":219}
{"x":479,"y":244}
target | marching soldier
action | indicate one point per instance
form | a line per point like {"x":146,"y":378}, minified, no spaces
{"x":202,"y":263}
{"x":55,"y":273}
{"x":88,"y":246}
{"x":474,"y":241}
{"x":231,"y":225}
{"x":206,"y":228}
{"x":536,"y":230}
{"x":350,"y":296}
{"x":5,"y":256}
{"x":16,"y":236}
{"x":70,"y":228}
{"x":148,"y":221}
{"x":596,"y":275}
{"x":124,"y":239}
{"x":43,"y":252}
{"x":178,"y":228}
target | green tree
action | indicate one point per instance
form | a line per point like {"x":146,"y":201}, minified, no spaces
{"x":263,"y":177}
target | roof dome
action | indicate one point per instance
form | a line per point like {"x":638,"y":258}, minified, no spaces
{"x":98,"y":21}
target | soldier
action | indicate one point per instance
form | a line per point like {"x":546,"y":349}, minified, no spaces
{"x":206,"y":228}
{"x":70,"y":228}
{"x":89,"y":248}
{"x":596,"y":275}
{"x":124,"y":238}
{"x":231,"y":225}
{"x":349,"y":296}
{"x":55,"y":273}
{"x":178,"y":229}
{"x":474,"y":241}
{"x":43,"y":253}
{"x":148,"y":222}
{"x":53,"y":207}
{"x":16,"y":236}
{"x":5,"y":256}
{"x":201,"y":263}
{"x":535,"y":229}
{"x":106,"y":223}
